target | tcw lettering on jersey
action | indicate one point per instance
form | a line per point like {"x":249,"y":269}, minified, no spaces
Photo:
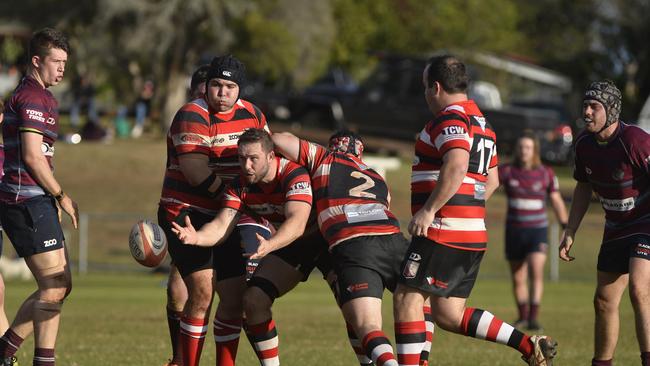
{"x":453,"y":130}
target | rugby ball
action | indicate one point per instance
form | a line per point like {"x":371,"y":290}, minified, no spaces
{"x":148,"y":243}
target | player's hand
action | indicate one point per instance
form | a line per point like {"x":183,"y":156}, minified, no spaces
{"x":420,"y":223}
{"x":187,"y":235}
{"x":565,"y":246}
{"x":70,"y":207}
{"x":265,"y":247}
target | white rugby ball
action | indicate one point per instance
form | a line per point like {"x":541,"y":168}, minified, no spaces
{"x":148,"y":243}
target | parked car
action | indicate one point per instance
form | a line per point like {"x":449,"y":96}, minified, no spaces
{"x":390,"y":103}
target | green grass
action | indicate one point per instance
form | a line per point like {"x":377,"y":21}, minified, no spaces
{"x":119,"y":317}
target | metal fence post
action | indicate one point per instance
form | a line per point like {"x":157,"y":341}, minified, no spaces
{"x":555,"y":247}
{"x":84,"y":218}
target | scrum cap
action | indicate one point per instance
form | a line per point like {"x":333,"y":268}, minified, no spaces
{"x":346,"y":141}
{"x":607,"y":94}
{"x":228,"y":68}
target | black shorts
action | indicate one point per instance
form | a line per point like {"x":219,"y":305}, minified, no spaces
{"x":366,"y":265}
{"x":520,"y":242}
{"x":226,"y":259}
{"x":33,"y":225}
{"x":306,"y":253}
{"x":614,"y":256}
{"x":440,"y":270}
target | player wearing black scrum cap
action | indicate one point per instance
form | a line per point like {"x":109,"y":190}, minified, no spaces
{"x":612,"y":159}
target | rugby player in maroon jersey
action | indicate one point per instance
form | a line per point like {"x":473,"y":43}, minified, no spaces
{"x":277,"y":190}
{"x":201,"y":159}
{"x":454,"y":173}
{"x":611,"y":159}
{"x":363,"y":235}
{"x":29,"y":194}
{"x":528,"y":185}
{"x":4,"y":322}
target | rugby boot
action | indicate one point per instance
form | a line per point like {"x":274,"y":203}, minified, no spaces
{"x":544,"y":350}
{"x":9,"y":361}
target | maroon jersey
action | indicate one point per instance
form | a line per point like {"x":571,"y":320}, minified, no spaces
{"x":351,"y":199}
{"x":31,"y":108}
{"x":267,"y":200}
{"x":198,"y":129}
{"x":527,"y":191}
{"x":460,"y":223}
{"x":2,"y":160}
{"x":619,"y":174}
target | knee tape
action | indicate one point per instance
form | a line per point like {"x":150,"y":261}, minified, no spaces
{"x":50,"y":306}
{"x":266,"y":286}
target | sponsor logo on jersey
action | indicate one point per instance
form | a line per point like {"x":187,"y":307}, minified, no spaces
{"x":49,"y":243}
{"x":191,"y":138}
{"x":233,"y":137}
{"x":626,"y":204}
{"x":50,"y":121}
{"x":453,"y":130}
{"x":299,"y":188}
{"x":618,"y":174}
{"x":357,"y":287}
{"x":35,"y":115}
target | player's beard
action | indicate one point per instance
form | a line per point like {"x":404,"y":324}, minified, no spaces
{"x":257,"y":176}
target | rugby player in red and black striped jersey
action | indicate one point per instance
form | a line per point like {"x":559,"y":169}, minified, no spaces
{"x":352,"y":201}
{"x":277,"y":190}
{"x":454,"y":173}
{"x":201,"y":159}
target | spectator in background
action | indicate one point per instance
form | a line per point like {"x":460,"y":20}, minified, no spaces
{"x":83,"y":98}
{"x":528,"y":184}
{"x":143,"y":108}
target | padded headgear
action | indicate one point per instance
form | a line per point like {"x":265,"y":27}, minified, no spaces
{"x":607,"y":94}
{"x":199,"y":76}
{"x":346,"y":141}
{"x":228,"y":68}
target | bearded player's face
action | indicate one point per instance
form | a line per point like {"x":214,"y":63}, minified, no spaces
{"x":594,"y":115}
{"x":254,"y":162}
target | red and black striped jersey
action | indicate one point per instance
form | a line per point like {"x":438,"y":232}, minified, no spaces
{"x":267,"y":200}
{"x":460,"y":223}
{"x":351,"y":199}
{"x":197,"y":129}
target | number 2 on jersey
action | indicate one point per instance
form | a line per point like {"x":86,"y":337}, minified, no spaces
{"x":360,"y":190}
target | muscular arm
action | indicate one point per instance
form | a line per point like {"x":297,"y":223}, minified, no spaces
{"x":212,"y":233}
{"x":287,"y":144}
{"x":296,"y":215}
{"x":492,"y":182}
{"x":40,"y":170}
{"x":579,"y":206}
{"x":454,"y":167}
{"x":195,"y":168}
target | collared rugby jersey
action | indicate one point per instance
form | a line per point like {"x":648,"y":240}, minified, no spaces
{"x":267,"y":200}
{"x":199,"y":130}
{"x":619,"y":174}
{"x":527,"y":191}
{"x":351,"y":199}
{"x":460,"y":223}
{"x":31,"y":108}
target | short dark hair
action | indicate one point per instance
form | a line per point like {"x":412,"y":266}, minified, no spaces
{"x":253,"y":135}
{"x":449,"y":71}
{"x":46,"y":39}
{"x":200,"y":76}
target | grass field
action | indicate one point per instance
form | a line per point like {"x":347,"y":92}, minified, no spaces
{"x":118,"y":317}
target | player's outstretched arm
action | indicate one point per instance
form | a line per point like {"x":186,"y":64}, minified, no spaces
{"x":287,"y":144}
{"x":297,"y":215}
{"x":212,"y":233}
{"x":579,"y":206}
